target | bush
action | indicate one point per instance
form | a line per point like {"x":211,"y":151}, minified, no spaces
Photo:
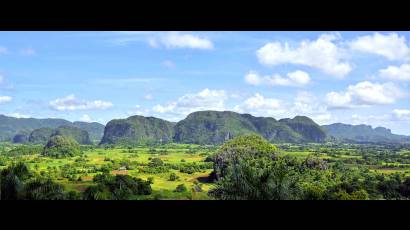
{"x":173,"y":177}
{"x":181,"y":188}
{"x":155,"y":162}
{"x":118,"y":187}
{"x":61,"y":146}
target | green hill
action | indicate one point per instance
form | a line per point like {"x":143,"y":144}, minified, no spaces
{"x":11,"y":127}
{"x":137,"y":130}
{"x":94,"y":129}
{"x":40,"y":136}
{"x":79,"y":135}
{"x":213,"y":127}
{"x":306,"y":127}
{"x":363,"y":134}
{"x":61,"y":146}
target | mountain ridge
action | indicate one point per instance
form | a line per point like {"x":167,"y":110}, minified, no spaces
{"x":12,"y":126}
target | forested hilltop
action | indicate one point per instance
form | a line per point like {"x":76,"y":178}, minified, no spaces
{"x":216,"y":127}
{"x":202,"y":127}
{"x":19,"y":129}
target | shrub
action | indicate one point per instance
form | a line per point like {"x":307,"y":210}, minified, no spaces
{"x":181,"y":188}
{"x":61,"y":146}
{"x":173,"y":177}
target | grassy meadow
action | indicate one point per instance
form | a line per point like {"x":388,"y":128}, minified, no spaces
{"x":186,"y":162}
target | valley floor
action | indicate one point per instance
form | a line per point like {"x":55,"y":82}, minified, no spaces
{"x":187,"y":164}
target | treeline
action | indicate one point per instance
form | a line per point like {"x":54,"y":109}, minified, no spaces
{"x":250,"y":168}
{"x":17,"y":182}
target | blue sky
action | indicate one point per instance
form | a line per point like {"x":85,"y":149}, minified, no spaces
{"x":349,"y":77}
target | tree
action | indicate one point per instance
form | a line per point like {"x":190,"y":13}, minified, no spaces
{"x":61,"y":146}
{"x":173,"y":177}
{"x":249,"y":169}
{"x":241,"y":148}
{"x":181,"y":188}
{"x":44,"y":189}
{"x":118,"y":187}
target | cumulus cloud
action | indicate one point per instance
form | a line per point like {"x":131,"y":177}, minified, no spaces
{"x":364,"y":94}
{"x":402,"y":114}
{"x":391,"y":46}
{"x":28,"y":52}
{"x":18,"y":115}
{"x":148,"y":97}
{"x":5,"y":99}
{"x":296,"y":78}
{"x":85,"y":118}
{"x":71,"y":103}
{"x":168,"y":64}
{"x":138,"y":110}
{"x":304,"y":103}
{"x":323,"y":54}
{"x":175,"y":40}
{"x":204,"y":100}
{"x":3,"y":50}
{"x":259,"y":105}
{"x":398,"y":73}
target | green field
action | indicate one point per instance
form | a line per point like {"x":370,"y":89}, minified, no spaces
{"x":77,"y":173}
{"x":137,"y":159}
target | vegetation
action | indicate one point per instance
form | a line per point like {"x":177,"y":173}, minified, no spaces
{"x":363,"y":134}
{"x":79,"y":135}
{"x":118,"y":187}
{"x":274,"y":176}
{"x":137,"y":130}
{"x":61,"y":146}
{"x":245,"y":167}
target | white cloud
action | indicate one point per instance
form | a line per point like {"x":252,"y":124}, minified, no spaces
{"x":399,"y":73}
{"x":259,"y":105}
{"x":364,"y":94}
{"x":204,"y":100}
{"x":168,"y":64}
{"x":391,"y":46}
{"x":28,"y":52}
{"x":305,"y":104}
{"x":71,"y":103}
{"x":174,"y":40}
{"x":402,"y":114}
{"x":85,"y":118}
{"x":323,"y":54}
{"x":5,"y":99}
{"x":138,"y":110}
{"x":148,"y":97}
{"x":3,"y":50}
{"x":18,"y":115}
{"x":296,"y":78}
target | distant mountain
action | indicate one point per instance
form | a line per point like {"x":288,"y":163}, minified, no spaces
{"x":81,"y":136}
{"x":42,"y":135}
{"x":363,"y":134}
{"x":306,"y":127}
{"x":213,"y":127}
{"x":94,"y":129}
{"x":138,"y":130}
{"x":21,"y":138}
{"x":11,"y":126}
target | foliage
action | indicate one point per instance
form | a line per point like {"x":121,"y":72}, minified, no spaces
{"x":181,"y":188}
{"x":61,"y":146}
{"x":137,"y":130}
{"x":118,"y":187}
